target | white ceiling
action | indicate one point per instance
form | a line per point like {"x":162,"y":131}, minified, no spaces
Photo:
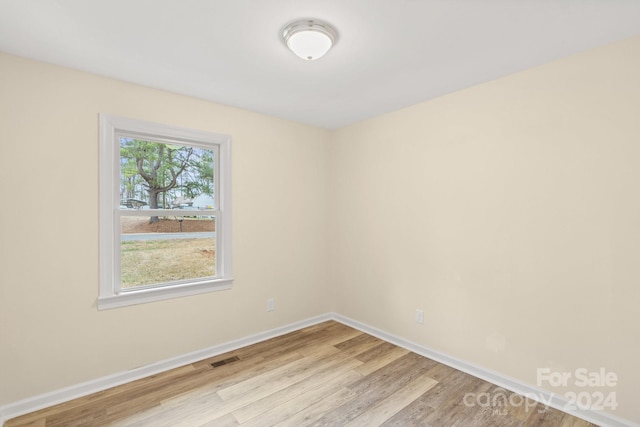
{"x":390,"y":53}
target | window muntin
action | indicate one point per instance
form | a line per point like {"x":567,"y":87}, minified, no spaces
{"x":165,"y":212}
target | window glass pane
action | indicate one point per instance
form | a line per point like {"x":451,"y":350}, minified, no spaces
{"x":156,"y":175}
{"x":167,"y":250}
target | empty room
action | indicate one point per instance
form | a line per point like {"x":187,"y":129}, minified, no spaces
{"x":320,"y":213}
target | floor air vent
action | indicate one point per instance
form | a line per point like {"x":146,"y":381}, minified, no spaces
{"x":225,"y":361}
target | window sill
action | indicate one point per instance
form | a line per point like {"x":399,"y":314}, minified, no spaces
{"x":158,"y":294}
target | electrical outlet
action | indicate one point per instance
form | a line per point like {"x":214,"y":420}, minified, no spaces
{"x":271,"y":304}
{"x":420,"y":317}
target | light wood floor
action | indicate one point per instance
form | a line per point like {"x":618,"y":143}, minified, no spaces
{"x":325,"y":375}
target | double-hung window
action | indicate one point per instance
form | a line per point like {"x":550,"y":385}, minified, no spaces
{"x":165,"y":212}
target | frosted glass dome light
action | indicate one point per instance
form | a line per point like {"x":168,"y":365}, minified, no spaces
{"x":309,"y":38}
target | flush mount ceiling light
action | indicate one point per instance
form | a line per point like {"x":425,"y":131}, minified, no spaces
{"x":309,"y":38}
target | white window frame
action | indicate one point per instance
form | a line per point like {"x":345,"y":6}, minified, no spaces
{"x":111,"y":128}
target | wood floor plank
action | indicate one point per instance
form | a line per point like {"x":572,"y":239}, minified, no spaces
{"x":36,"y":423}
{"x":287,"y":375}
{"x":394,"y":403}
{"x":376,"y":352}
{"x":317,"y":410}
{"x":268,"y":382}
{"x":244,"y":369}
{"x":333,"y":373}
{"x":391,"y":375}
{"x":454,"y":409}
{"x":172,"y":411}
{"x":412,"y":415}
{"x":384,"y":359}
{"x":358,"y":345}
{"x":253,"y":390}
{"x":226,"y":421}
{"x":325,"y":375}
{"x":304,"y":405}
{"x":375,"y":387}
{"x":520,"y":408}
{"x":448,"y":393}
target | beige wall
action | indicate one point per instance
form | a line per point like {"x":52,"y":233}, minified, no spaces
{"x":52,"y":334}
{"x":510,"y":213}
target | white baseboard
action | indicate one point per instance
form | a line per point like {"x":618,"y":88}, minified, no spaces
{"x":543,"y":396}
{"x":45,"y":400}
{"x":69,"y":393}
